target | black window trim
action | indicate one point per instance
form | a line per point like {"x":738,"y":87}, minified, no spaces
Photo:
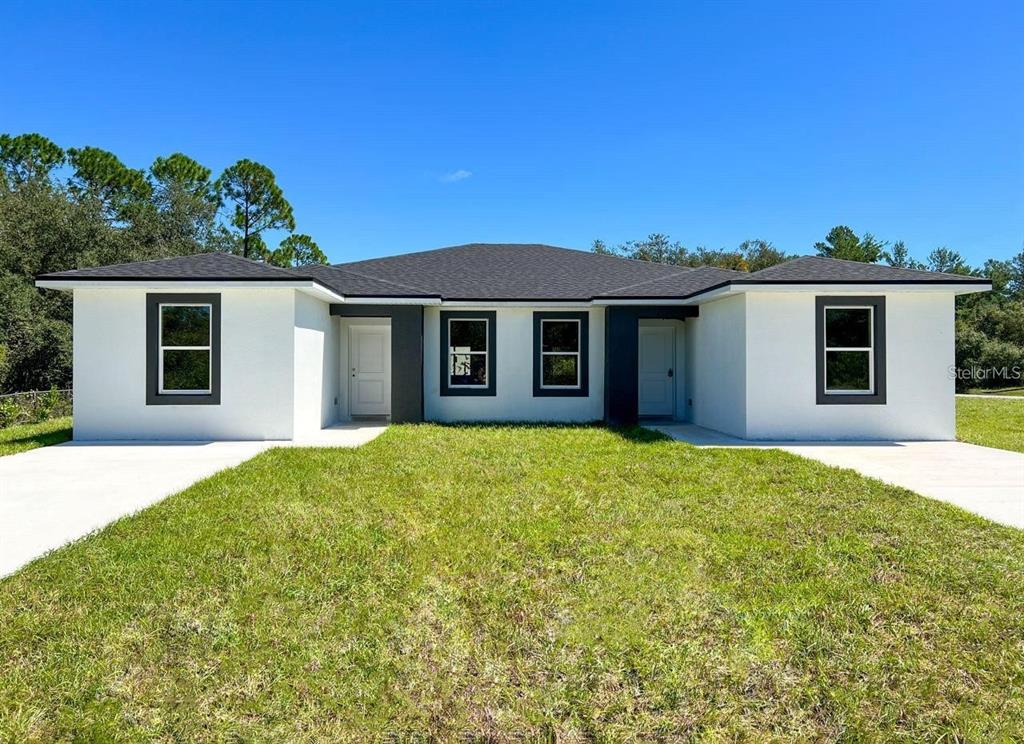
{"x":877,"y":304}
{"x":491,"y":317}
{"x":583,"y":390}
{"x":153,"y":395}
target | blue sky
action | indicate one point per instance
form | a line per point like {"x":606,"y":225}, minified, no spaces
{"x":397,"y":127}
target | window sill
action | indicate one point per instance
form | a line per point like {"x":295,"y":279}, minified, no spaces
{"x":841,"y":399}
{"x":185,"y":399}
{"x":560,"y":392}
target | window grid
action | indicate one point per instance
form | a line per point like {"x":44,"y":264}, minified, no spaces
{"x":869,"y":349}
{"x":560,"y":353}
{"x":162,"y":349}
{"x":452,"y":353}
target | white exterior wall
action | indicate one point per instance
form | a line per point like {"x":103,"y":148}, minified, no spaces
{"x":257,"y":369}
{"x":514,"y":399}
{"x":716,"y":366}
{"x":316,"y":364}
{"x":781,"y":371}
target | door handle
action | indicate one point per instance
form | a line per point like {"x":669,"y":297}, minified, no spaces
{"x":669,"y":371}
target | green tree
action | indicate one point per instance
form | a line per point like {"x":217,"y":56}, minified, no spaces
{"x":900,"y":258}
{"x":947,"y":261}
{"x":761,"y":254}
{"x":28,"y":157}
{"x":1001,"y":274}
{"x":297,"y":250}
{"x":122,"y":192}
{"x":1016,"y":283}
{"x":843,"y":243}
{"x":752,"y":255}
{"x":259,"y":203}
{"x":186,"y":202}
{"x":719,"y":258}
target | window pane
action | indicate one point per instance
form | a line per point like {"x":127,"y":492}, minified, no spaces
{"x":847,"y":326}
{"x":186,"y":370}
{"x":560,"y":335}
{"x":468,"y":335}
{"x":847,"y":370}
{"x":184,"y":325}
{"x":467,"y":369}
{"x":560,"y":369}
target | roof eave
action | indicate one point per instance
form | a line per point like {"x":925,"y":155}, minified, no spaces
{"x":308,"y":286}
{"x":740,"y":286}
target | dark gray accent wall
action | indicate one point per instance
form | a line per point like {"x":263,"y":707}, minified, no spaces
{"x":153,"y":395}
{"x":621,"y":355}
{"x":492,"y":338}
{"x":584,"y":389}
{"x":406,"y":354}
{"x":878,"y":334}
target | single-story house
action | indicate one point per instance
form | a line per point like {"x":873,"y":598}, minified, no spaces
{"x":215,"y":346}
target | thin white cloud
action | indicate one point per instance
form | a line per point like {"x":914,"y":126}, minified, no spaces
{"x":460,"y":175}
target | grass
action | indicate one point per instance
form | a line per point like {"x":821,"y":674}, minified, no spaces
{"x":29,"y":436}
{"x":992,"y":422}
{"x":1015,"y":392}
{"x":497,"y":582}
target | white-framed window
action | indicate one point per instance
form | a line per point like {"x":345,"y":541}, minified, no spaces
{"x":849,"y":349}
{"x":468,"y":358}
{"x":185,"y":348}
{"x":560,"y":354}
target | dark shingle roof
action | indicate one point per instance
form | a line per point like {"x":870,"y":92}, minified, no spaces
{"x":353,"y":284}
{"x":682,"y":284}
{"x":202,"y":266}
{"x":821,"y":270}
{"x":502,"y":271}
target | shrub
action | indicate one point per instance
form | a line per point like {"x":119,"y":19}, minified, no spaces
{"x":10,"y":413}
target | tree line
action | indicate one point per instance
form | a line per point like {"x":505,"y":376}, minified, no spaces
{"x":989,"y":325}
{"x":66,"y":208}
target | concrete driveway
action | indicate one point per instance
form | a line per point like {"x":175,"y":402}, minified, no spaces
{"x":53,"y":495}
{"x":983,"y":480}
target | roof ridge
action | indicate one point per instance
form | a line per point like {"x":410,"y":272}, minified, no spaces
{"x":523,"y":245}
{"x":869,"y":263}
{"x":648,"y":281}
{"x":686,"y":270}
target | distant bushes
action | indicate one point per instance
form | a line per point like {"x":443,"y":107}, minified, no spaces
{"x":33,"y":407}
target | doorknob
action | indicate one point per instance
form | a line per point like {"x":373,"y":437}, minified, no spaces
{"x":669,"y":371}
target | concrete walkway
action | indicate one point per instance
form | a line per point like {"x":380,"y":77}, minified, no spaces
{"x":983,"y":480}
{"x":53,"y":495}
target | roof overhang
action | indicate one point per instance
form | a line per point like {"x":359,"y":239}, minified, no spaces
{"x":933,"y":287}
{"x":306,"y":286}
{"x":382,"y":300}
{"x":322,"y":292}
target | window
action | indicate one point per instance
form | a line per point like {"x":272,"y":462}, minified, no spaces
{"x":851,"y":349}
{"x":560,"y":354}
{"x":467,"y":353}
{"x":183,"y":349}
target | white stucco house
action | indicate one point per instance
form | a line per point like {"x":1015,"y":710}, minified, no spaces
{"x":217,"y":347}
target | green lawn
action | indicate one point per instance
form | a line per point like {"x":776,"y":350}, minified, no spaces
{"x":1012,"y":391}
{"x":575,"y":583}
{"x":993,"y":422}
{"x":29,"y":436}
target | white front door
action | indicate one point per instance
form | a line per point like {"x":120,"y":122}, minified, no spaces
{"x":657,"y":374}
{"x":369,"y":351}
